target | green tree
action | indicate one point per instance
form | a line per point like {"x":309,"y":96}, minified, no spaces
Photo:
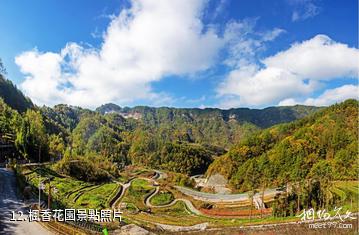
{"x":31,"y":137}
{"x":56,"y":146}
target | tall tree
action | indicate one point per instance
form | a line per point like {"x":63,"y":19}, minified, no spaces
{"x":31,"y":139}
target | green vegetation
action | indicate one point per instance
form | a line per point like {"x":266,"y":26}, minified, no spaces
{"x":31,"y":138}
{"x":71,"y":193}
{"x":162,"y":198}
{"x":9,"y":122}
{"x":308,"y":154}
{"x":13,"y":96}
{"x":178,"y":179}
{"x":181,"y":140}
{"x":179,"y":215}
{"x":96,"y":198}
{"x":314,"y":157}
{"x":182,"y":158}
{"x":137,"y":192}
{"x":346,"y":193}
{"x":24,"y":131}
{"x":89,"y":169}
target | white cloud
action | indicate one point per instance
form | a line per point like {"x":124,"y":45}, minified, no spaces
{"x":335,"y":95}
{"x":328,"y":97}
{"x":299,"y":71}
{"x":288,"y":102}
{"x":42,"y":80}
{"x":273,"y":34}
{"x":317,"y":58}
{"x":144,"y":43}
{"x":157,"y":38}
{"x":250,"y":86}
{"x":243,"y":42}
{"x":304,"y":9}
{"x":221,"y":6}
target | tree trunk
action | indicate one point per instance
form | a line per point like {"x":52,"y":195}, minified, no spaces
{"x":262,"y":196}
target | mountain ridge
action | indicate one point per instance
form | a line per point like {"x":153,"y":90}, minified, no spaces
{"x":255,"y":116}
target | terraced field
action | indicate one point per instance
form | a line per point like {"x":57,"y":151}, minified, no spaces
{"x":154,"y":204}
{"x":136,"y":193}
{"x":97,"y":197}
{"x":162,"y":198}
{"x":71,"y":192}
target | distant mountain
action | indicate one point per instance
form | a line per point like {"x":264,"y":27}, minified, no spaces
{"x":13,"y":96}
{"x":260,"y":117}
{"x":109,"y":108}
{"x":209,"y":126}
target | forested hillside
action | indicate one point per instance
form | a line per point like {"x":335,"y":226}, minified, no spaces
{"x":12,"y":96}
{"x":182,"y":140}
{"x":322,"y":146}
{"x":26,"y":131}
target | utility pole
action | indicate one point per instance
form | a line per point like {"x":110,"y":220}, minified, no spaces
{"x":39,"y":193}
{"x":49,"y":196}
{"x":41,"y":187}
{"x":39,"y":153}
{"x":39,"y":179}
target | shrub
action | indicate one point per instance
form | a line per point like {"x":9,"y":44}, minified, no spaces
{"x":89,"y":169}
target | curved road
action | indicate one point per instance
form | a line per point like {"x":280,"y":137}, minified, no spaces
{"x":9,"y":201}
{"x":188,"y":203}
{"x":216,"y":197}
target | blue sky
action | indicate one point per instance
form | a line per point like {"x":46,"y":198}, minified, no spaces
{"x":198,"y":53}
